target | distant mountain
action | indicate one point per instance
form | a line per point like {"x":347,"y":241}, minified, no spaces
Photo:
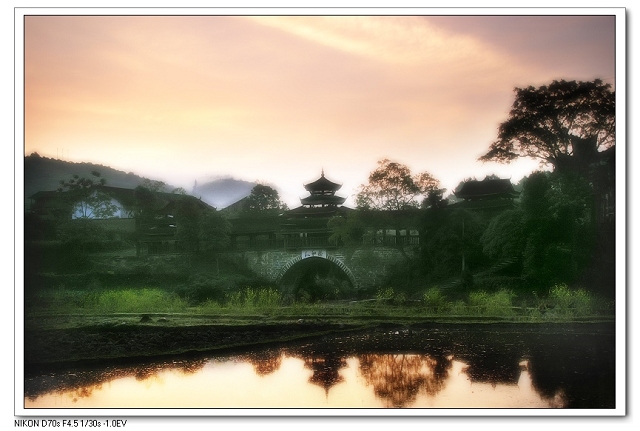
{"x":222,"y":192}
{"x":45,"y":174}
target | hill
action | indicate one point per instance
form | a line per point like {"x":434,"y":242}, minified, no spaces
{"x":44,"y":174}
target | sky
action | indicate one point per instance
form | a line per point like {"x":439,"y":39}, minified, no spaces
{"x":279,"y":99}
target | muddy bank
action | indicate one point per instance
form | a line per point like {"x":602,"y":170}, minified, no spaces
{"x":130,"y":343}
{"x":47,"y":348}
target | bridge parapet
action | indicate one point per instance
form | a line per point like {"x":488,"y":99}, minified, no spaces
{"x":365,"y":266}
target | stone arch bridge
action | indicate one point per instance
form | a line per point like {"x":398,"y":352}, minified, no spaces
{"x":361,"y":267}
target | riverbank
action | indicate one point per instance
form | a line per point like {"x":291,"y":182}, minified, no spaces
{"x":78,"y":340}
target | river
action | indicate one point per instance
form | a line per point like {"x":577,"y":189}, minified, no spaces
{"x":541,"y":366}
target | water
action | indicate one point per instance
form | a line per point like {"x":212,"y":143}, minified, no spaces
{"x":456,"y":366}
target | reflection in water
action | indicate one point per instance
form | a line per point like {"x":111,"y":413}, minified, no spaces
{"x":397,"y":378}
{"x":264,"y":363}
{"x":429,"y":372}
{"x":325,"y":370}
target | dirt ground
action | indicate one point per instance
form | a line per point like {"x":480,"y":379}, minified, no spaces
{"x":50,"y":347}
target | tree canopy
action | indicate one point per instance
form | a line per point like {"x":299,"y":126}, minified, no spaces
{"x":85,"y":197}
{"x":557,"y":124}
{"x":392,"y":186}
{"x":264,"y":198}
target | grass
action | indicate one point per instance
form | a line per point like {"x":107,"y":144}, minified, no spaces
{"x":561,"y":304}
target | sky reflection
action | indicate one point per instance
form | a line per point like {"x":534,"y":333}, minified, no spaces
{"x":365,"y":381}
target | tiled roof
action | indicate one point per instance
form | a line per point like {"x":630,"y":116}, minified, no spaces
{"x":475,"y":189}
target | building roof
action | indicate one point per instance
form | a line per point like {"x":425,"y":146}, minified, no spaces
{"x":487,"y":188}
{"x":322,"y":186}
{"x":322,"y":200}
{"x":126,"y":197}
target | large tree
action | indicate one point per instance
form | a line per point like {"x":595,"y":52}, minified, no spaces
{"x":392,"y":186}
{"x":264,"y":198}
{"x":563,"y":124}
{"x":86,"y":197}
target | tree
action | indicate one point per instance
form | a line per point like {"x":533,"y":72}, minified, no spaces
{"x":188,"y":217}
{"x":264,"y":198}
{"x":392,"y":187}
{"x":86,"y":198}
{"x":214,"y":231}
{"x":347,"y":231}
{"x":564,"y":124}
{"x":85,"y":201}
{"x":556,"y":233}
{"x":153,"y":185}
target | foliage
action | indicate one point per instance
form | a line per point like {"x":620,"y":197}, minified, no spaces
{"x":435,"y":300}
{"x":179,"y":191}
{"x":560,"y":304}
{"x":85,"y":196}
{"x":250,"y":298}
{"x":201,"y":230}
{"x":392,"y":187}
{"x":85,"y":201}
{"x":264,"y":198}
{"x":573,"y":302}
{"x":318,"y":288}
{"x":154,"y":185}
{"x":138,"y":300}
{"x":495,"y":304}
{"x":557,"y":124}
{"x":347,"y":231}
{"x":385,"y":294}
{"x":450,"y":239}
{"x":558,"y":226}
{"x":147,"y":300}
{"x":188,"y":217}
{"x":504,"y":236}
{"x":214,"y":231}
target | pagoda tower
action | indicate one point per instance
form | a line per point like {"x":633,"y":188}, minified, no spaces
{"x":322,"y":193}
{"x":322,"y":201}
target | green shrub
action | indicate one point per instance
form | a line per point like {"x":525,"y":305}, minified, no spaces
{"x":400,"y":299}
{"x":495,"y":304}
{"x":250,"y":298}
{"x":385,"y":294}
{"x":570,"y":302}
{"x":435,"y":300}
{"x":136,"y":300}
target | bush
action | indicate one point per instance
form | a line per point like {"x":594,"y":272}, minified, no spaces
{"x":434,"y":300}
{"x":250,"y":298}
{"x":385,"y":294}
{"x":136,"y":301}
{"x":499,"y":303}
{"x":571,"y":302}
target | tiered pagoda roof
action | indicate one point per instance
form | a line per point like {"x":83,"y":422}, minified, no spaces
{"x":322,"y":193}
{"x":321,"y":203}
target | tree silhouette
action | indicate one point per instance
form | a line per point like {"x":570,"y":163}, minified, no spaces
{"x":393,"y":187}
{"x":264,"y":198}
{"x":85,"y":196}
{"x":564,"y":124}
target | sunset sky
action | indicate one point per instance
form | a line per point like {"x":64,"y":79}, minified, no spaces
{"x":276,"y":99}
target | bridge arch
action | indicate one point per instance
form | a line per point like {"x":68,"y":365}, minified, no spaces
{"x":295,"y":268}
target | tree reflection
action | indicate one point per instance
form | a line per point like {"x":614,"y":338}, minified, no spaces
{"x":399,"y":378}
{"x":265,"y":363}
{"x":583,"y":379}
{"x":326,"y":370}
{"x":493,"y":367}
{"x":82,"y":383}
